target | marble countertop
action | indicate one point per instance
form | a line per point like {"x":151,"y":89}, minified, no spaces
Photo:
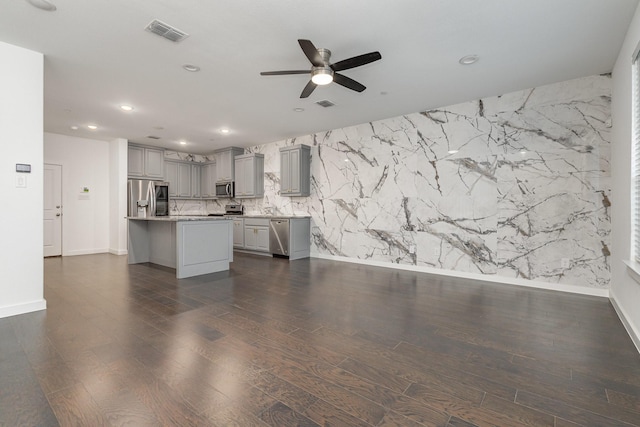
{"x":176,"y":218}
{"x":267,"y":216}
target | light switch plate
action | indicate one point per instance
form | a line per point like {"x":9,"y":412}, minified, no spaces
{"x":21,"y":180}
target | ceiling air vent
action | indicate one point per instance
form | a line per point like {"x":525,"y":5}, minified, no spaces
{"x":153,"y":137}
{"x":167,"y":31}
{"x":325,"y":103}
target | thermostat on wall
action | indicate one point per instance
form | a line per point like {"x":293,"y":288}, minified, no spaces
{"x":21,"y":167}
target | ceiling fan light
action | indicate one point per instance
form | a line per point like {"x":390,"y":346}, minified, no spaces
{"x":322,"y":76}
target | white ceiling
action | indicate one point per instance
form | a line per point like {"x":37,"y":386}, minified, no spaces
{"x":98,"y":56}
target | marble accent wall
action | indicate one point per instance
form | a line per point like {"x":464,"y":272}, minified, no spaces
{"x":515,"y":186}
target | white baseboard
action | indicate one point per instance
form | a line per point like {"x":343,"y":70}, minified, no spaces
{"x":118,"y":251}
{"x":85,"y":252}
{"x":14,"y":310}
{"x":631,"y":330}
{"x":583,"y":290}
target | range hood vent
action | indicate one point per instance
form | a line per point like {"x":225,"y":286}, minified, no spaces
{"x":167,"y":31}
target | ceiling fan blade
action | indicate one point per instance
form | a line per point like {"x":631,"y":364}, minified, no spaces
{"x":356,"y":61}
{"x":347,"y":82}
{"x":282,"y":73}
{"x":310,"y":87}
{"x":311,"y":52}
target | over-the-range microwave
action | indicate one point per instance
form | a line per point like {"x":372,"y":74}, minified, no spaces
{"x":225,"y":189}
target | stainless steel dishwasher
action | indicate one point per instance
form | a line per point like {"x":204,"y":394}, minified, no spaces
{"x":279,"y":236}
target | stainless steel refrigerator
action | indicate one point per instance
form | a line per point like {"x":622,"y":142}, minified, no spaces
{"x":147,"y":198}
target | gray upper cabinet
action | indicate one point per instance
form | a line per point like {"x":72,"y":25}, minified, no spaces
{"x":145,"y":162}
{"x":196,"y":175}
{"x":225,"y":163}
{"x":249,"y":176}
{"x":184,"y":179}
{"x":208,"y":176}
{"x":295,"y":170}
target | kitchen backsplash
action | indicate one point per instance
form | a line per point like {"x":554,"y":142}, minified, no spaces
{"x":515,"y":186}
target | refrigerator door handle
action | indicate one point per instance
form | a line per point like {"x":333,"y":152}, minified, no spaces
{"x":152,"y":199}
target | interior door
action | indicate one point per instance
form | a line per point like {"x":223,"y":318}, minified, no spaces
{"x":52,"y":210}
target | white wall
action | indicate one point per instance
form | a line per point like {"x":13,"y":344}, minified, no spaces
{"x":85,"y":216}
{"x":624,"y":291}
{"x":21,"y":228}
{"x":118,"y":196}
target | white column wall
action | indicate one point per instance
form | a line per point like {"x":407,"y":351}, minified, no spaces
{"x":21,"y":228}
{"x":624,"y":291}
{"x":118,"y":196}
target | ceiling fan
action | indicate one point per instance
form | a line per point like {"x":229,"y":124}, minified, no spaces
{"x":323,"y":72}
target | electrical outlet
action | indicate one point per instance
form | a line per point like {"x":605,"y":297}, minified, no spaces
{"x":564,"y":263}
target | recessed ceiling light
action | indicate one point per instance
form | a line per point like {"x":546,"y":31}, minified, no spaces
{"x":469,"y":59}
{"x":225,"y":130}
{"x":43,"y":4}
{"x":298,"y":110}
{"x":126,"y":108}
{"x":74,"y":127}
{"x":191,"y":68}
{"x":92,"y":127}
{"x":183,"y":142}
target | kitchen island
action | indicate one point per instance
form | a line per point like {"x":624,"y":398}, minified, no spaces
{"x":192,"y":245}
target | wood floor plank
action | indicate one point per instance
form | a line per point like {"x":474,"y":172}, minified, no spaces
{"x":375,"y":375}
{"x":325,"y":414}
{"x":280,"y":414}
{"x":74,"y":406}
{"x":628,"y":401}
{"x":287,"y":393}
{"x":310,"y":342}
{"x":570,"y":413}
{"x":393,"y":419}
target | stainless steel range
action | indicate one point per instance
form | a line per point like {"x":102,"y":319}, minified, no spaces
{"x":232,"y":209}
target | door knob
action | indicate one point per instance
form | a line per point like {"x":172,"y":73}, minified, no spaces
{"x":57,"y":214}
{"x":57,"y":207}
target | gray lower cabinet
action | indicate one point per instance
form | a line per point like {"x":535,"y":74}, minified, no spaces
{"x":256,"y":234}
{"x":238,"y":233}
{"x":295,"y":173}
{"x":299,"y":238}
{"x":145,"y":162}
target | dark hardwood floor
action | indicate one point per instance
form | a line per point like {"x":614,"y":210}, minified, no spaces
{"x":310,"y":342}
